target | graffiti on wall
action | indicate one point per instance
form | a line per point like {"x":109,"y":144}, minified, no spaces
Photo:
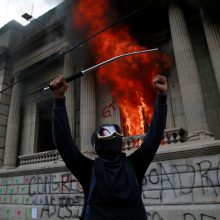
{"x":185,"y":216}
{"x":59,"y":195}
{"x":61,"y":198}
{"x":202,"y":216}
{"x":109,"y":109}
{"x":184,"y":183}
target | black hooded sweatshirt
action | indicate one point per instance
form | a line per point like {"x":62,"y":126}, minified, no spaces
{"x":117,"y":194}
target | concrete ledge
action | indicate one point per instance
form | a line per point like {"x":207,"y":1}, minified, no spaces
{"x":188,"y":149}
{"x":40,"y":168}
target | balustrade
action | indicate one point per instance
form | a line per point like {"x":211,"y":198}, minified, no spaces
{"x":130,"y":144}
{"x":41,"y":157}
{"x":171,"y":136}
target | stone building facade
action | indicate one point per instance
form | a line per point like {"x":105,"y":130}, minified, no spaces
{"x":183,"y":182}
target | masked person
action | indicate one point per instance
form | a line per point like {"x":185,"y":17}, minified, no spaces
{"x":112,"y":183}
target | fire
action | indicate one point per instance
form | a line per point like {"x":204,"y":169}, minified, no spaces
{"x":130,"y":78}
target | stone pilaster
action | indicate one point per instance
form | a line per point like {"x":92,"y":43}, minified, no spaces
{"x":107,"y":109}
{"x":170,"y":118}
{"x":87,"y":113}
{"x":212,"y":33}
{"x":12,"y":133}
{"x":5,"y":98}
{"x":188,"y":75}
{"x":70,"y":94}
{"x":116,"y":118}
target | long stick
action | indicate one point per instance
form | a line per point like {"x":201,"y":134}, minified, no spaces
{"x":83,"y":72}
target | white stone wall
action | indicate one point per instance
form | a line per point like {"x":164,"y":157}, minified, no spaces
{"x":184,"y":188}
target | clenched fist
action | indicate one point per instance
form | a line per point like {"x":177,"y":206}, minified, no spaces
{"x":59,"y":87}
{"x":160,"y":84}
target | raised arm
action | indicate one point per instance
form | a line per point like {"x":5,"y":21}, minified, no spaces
{"x":77,"y":163}
{"x":142,"y":157}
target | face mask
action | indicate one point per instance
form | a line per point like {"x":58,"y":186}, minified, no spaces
{"x":109,"y":148}
{"x":107,"y":141}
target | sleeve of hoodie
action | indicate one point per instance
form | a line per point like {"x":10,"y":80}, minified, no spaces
{"x":143,"y":156}
{"x":76,"y":162}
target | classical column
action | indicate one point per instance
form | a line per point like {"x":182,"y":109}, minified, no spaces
{"x":212,"y":33}
{"x":188,"y":75}
{"x":70,"y":94}
{"x":12,"y":133}
{"x":87,"y":113}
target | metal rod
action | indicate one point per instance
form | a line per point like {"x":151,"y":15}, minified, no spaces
{"x":117,"y":57}
{"x":83,"y":72}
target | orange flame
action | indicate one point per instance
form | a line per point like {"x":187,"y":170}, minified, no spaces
{"x":130,"y":78}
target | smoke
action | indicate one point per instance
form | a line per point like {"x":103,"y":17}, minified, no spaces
{"x":148,"y":22}
{"x":129,"y":79}
{"x":151,"y":25}
{"x":212,"y":7}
